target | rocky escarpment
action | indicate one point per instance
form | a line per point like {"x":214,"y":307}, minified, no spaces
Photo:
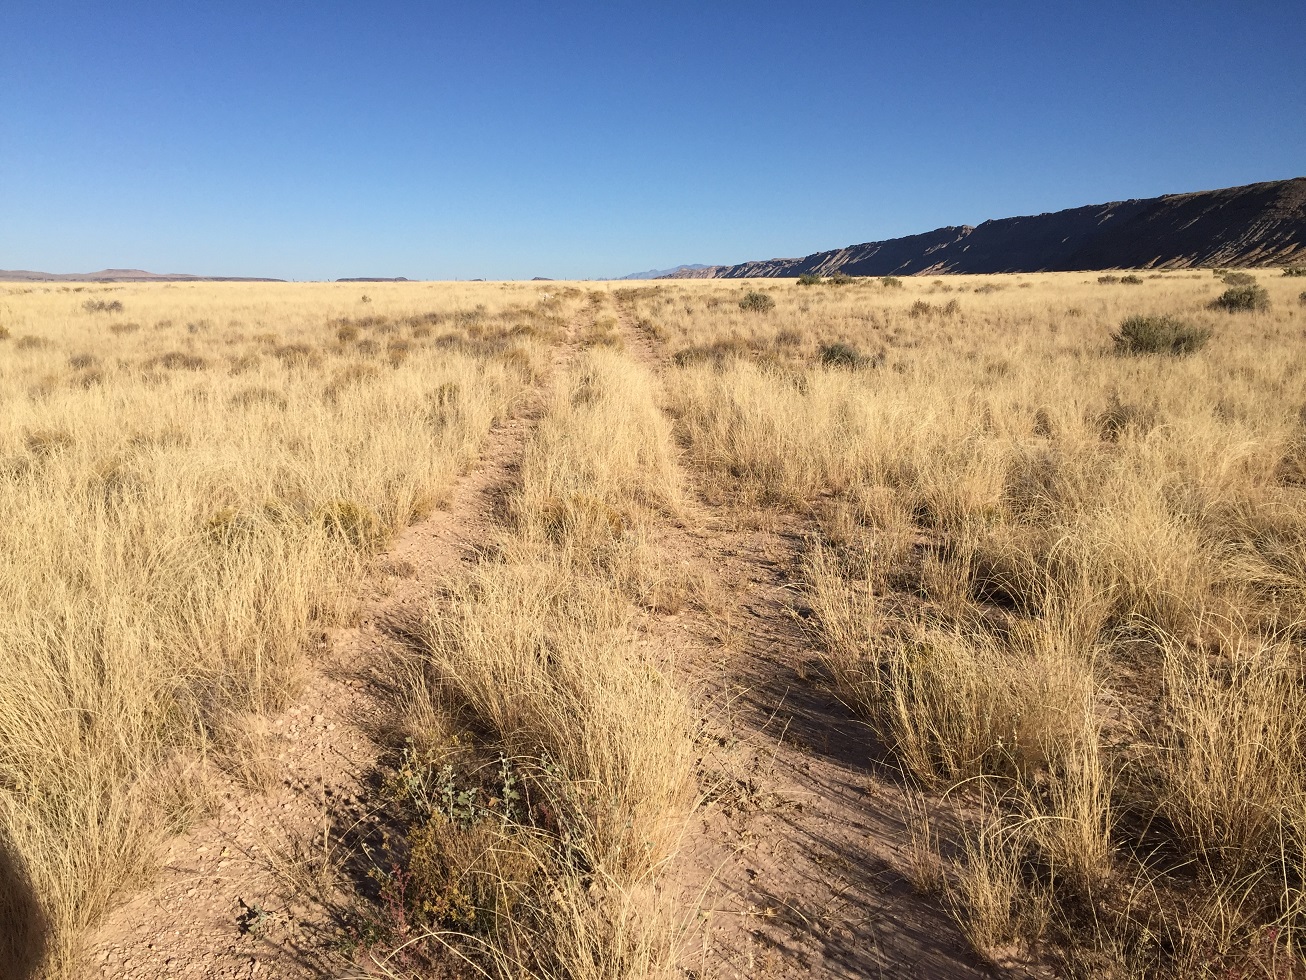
{"x":1256,"y":224}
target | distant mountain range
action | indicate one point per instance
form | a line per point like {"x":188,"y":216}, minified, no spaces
{"x":668,"y":273}
{"x":119,"y":275}
{"x":1253,"y":225}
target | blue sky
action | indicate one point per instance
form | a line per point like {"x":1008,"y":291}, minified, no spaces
{"x":509,"y":140}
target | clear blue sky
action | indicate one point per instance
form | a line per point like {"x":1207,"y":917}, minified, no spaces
{"x":508,"y":140}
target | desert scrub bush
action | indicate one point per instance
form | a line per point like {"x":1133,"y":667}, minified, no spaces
{"x":809,"y":279}
{"x":123,"y":327}
{"x":840,"y":354}
{"x":838,"y":279}
{"x":1237,"y":299}
{"x":102,"y":306}
{"x":890,"y":282}
{"x":756,"y":302}
{"x":1238,"y":279}
{"x":1159,"y":334}
{"x":4,"y":332}
{"x":1301,"y":298}
{"x":1108,"y":280}
{"x":1294,"y":271}
{"x":1131,"y":280}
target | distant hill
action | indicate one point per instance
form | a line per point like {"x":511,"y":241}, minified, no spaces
{"x":1253,"y":225}
{"x":119,"y":275}
{"x":667,"y":273}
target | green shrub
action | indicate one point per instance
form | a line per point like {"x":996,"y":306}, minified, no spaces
{"x":1131,"y":280}
{"x":1240,"y":298}
{"x":1239,"y":279}
{"x":1162,"y":334}
{"x":809,"y":279}
{"x":755,"y":302}
{"x":1294,"y":270}
{"x":890,"y":282}
{"x":838,"y":279}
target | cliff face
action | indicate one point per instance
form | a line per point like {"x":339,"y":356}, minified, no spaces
{"x":1257,"y":224}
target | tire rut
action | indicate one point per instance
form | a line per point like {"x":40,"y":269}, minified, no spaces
{"x":260,"y":888}
{"x":793,"y":858}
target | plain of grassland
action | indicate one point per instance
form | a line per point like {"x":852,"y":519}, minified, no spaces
{"x":191,"y":476}
{"x":1064,"y":583}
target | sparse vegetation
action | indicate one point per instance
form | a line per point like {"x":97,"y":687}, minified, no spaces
{"x":1058,"y":581}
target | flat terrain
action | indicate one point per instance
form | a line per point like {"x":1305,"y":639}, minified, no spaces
{"x":911,"y":628}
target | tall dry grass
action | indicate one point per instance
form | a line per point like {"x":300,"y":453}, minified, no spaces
{"x":1069,"y":574}
{"x":189,"y":487}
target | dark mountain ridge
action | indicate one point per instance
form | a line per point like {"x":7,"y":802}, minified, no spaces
{"x":1253,"y":225}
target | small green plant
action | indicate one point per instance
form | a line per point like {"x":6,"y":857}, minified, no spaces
{"x":755,"y":302}
{"x":1238,"y":299}
{"x":1162,"y":334}
{"x":809,"y":279}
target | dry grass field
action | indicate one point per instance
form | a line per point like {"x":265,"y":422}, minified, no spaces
{"x":945,"y":586}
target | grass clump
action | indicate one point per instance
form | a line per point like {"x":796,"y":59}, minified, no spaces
{"x":1294,"y":271}
{"x":1241,"y":299}
{"x":1131,"y":280}
{"x":1159,"y":334}
{"x":809,"y":279}
{"x":890,"y":282}
{"x":840,"y":354}
{"x":1108,"y":280}
{"x":102,"y":306}
{"x":755,"y":302}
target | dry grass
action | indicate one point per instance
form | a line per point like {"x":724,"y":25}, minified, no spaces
{"x":1073,"y":577}
{"x":536,"y":649}
{"x":184,"y":502}
{"x":1066,"y":589}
